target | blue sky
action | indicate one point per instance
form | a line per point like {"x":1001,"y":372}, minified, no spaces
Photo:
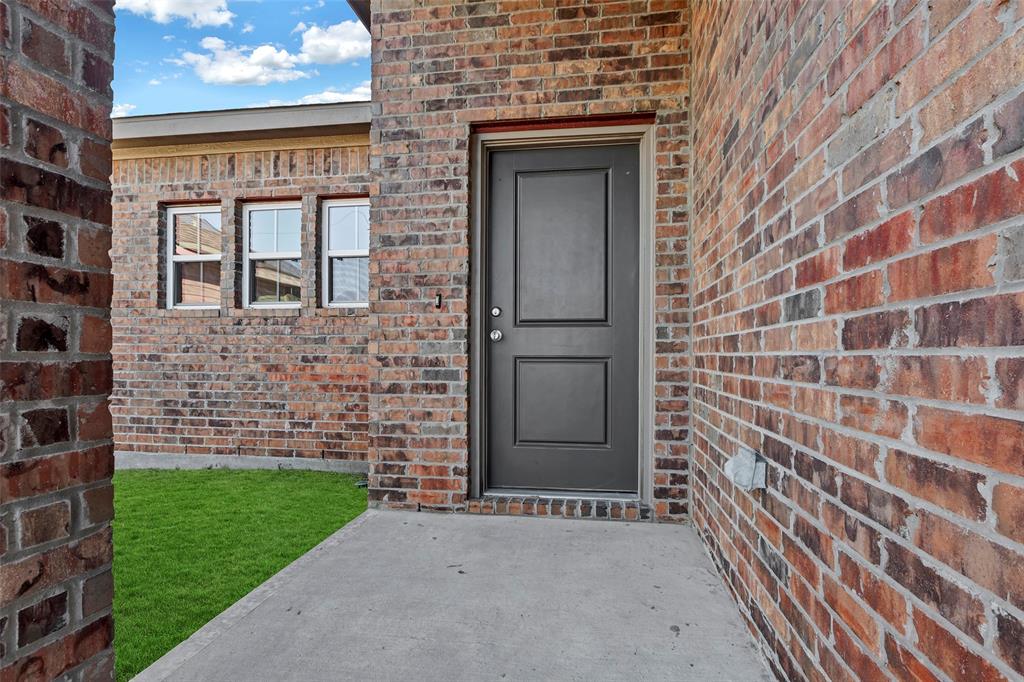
{"x":195,"y":55}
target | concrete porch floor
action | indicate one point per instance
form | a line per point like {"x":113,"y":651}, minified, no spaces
{"x":399,"y":595}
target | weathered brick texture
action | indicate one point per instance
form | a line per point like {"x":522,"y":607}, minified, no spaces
{"x":56,"y":452}
{"x":234,"y":381}
{"x":438,"y":68}
{"x":858,"y":317}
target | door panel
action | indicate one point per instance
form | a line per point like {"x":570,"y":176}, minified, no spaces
{"x":563,"y":227}
{"x":576,"y":389}
{"x":563,"y":267}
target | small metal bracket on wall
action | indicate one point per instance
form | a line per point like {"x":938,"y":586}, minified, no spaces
{"x":748,"y":470}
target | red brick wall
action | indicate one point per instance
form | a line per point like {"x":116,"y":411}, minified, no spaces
{"x":858,"y":304}
{"x":56,"y":458}
{"x":234,"y":381}
{"x":437,"y":70}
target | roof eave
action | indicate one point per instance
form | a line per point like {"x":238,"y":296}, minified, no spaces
{"x":292,"y":119}
{"x":362,"y":10}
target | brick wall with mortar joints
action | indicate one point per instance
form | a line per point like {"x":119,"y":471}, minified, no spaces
{"x":437,"y":69}
{"x":859,"y":318}
{"x":234,"y":381}
{"x":56,"y":453}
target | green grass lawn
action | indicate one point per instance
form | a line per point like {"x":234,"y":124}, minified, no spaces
{"x":188,"y":544}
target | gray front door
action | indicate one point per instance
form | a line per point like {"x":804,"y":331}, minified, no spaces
{"x":562,"y":289}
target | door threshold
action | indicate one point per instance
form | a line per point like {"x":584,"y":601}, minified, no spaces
{"x":561,"y":495}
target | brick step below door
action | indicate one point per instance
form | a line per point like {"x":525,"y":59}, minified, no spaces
{"x":572,"y":508}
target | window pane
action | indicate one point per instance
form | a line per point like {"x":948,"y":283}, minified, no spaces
{"x":263,"y":281}
{"x":348,"y":228}
{"x":342,"y":232}
{"x":197,"y":283}
{"x":261,"y":231}
{"x":290,"y":283}
{"x":289,"y":229}
{"x":209,"y":233}
{"x":350,"y":280}
{"x":274,"y":281}
{"x":186,"y":233}
{"x":363,"y":226}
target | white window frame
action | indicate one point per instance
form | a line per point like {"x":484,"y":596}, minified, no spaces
{"x":326,"y":255}
{"x":173,"y":258}
{"x":267,"y":255}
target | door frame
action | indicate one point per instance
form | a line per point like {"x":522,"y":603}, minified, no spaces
{"x":481,"y":144}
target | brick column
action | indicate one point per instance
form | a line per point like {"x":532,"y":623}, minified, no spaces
{"x":56,"y":452}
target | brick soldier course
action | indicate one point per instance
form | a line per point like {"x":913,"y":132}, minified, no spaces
{"x":56,"y":453}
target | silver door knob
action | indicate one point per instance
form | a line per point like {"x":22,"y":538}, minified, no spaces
{"x":496,"y":335}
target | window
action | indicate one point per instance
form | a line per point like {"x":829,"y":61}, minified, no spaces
{"x":193,"y":256}
{"x":272,"y":274}
{"x":346,"y":252}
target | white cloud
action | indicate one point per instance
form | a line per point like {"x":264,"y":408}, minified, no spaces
{"x":154,"y":81}
{"x":248,"y":28}
{"x":197,"y":12}
{"x":360,"y":93}
{"x":168,"y":37}
{"x":342,"y":42}
{"x":121,"y":110}
{"x":225,"y":64}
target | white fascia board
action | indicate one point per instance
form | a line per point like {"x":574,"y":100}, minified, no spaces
{"x":241,"y":120}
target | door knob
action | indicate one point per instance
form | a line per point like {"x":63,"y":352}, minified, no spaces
{"x":496,"y":335}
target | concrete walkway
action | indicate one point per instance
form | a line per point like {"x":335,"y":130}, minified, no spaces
{"x":398,"y":596}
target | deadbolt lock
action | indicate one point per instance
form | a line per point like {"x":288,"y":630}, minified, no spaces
{"x":495,"y":311}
